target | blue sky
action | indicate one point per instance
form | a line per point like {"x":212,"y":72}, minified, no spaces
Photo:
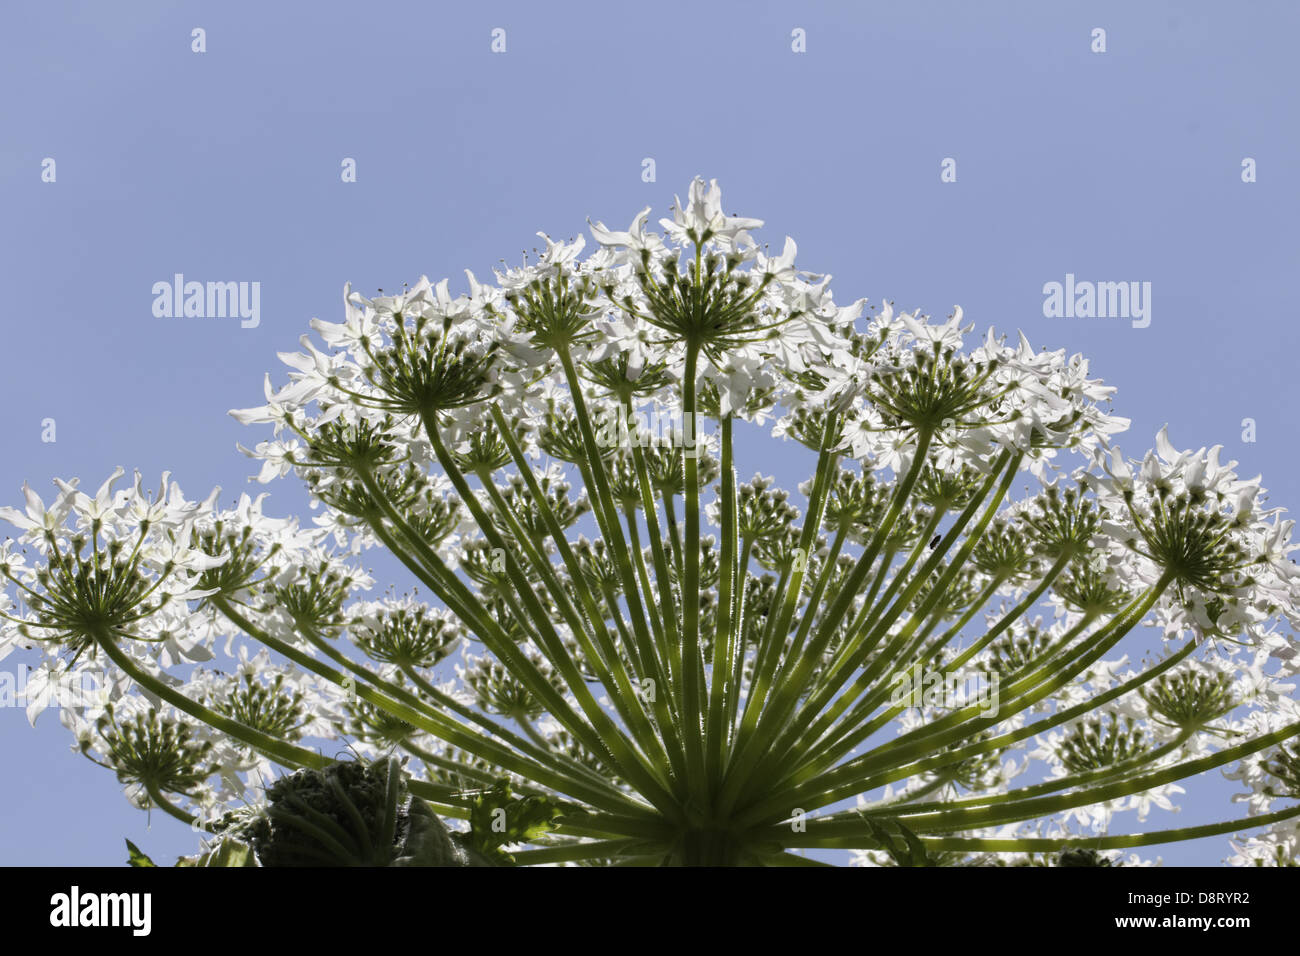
{"x":225,"y":166}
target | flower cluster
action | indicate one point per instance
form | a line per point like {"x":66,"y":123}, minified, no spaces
{"x":640,"y":657}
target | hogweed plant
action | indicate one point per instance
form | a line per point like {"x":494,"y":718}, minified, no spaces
{"x":979,"y":634}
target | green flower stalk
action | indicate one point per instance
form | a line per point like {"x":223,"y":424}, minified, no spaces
{"x":616,"y":651}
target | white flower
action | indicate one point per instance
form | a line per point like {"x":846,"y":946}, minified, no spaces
{"x":946,"y":336}
{"x":780,"y":268}
{"x":1155,"y":797}
{"x":635,"y":238}
{"x":701,"y":218}
{"x":35,"y":521}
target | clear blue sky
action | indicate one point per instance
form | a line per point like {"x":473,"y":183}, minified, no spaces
{"x":225,"y":165}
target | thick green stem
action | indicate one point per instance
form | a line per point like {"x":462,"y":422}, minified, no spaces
{"x":746,"y":755}
{"x":724,"y":639}
{"x":282,"y":752}
{"x":692,"y":669}
{"x":601,"y":733}
{"x":815,"y":837}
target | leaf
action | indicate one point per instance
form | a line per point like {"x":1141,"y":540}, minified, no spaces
{"x":902,"y":844}
{"x":498,"y":818}
{"x":136,"y":857}
{"x":428,"y":841}
{"x":229,"y":852}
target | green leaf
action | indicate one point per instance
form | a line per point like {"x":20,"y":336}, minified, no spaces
{"x":229,"y":852}
{"x":899,"y":842}
{"x":135,"y":857}
{"x":428,"y":841}
{"x":498,"y":818}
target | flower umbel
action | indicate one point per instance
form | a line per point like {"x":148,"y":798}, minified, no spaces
{"x":613,"y":650}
